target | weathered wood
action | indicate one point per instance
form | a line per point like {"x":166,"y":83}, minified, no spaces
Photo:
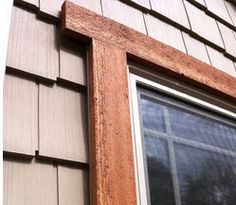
{"x":112,"y":165}
{"x":81,"y":23}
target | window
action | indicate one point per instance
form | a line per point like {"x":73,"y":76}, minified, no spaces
{"x":185,"y":148}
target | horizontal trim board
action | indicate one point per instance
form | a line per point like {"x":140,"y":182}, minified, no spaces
{"x":81,"y":23}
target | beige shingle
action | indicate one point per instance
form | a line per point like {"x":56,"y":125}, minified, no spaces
{"x":143,"y":3}
{"x":171,"y":9}
{"x":73,"y":186}
{"x":53,"y":7}
{"x":164,"y":32}
{"x":221,"y":62}
{"x":232,"y":11}
{"x":196,"y":48}
{"x":218,"y":8}
{"x":72,"y":61}
{"x":20,"y":115}
{"x":62,"y":124}
{"x":27,"y":183}
{"x":203,"y":25}
{"x":124,"y":14}
{"x":32,"y":45}
{"x":229,"y":39}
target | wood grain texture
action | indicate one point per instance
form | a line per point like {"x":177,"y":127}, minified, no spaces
{"x":164,"y":32}
{"x":232,"y":11}
{"x":221,"y":62}
{"x":206,"y":29}
{"x":32,"y":45}
{"x":62,"y":124}
{"x":124,"y":14}
{"x":218,"y":8}
{"x":72,"y":61}
{"x":27,"y":183}
{"x":84,"y":24}
{"x":171,"y":9}
{"x":112,"y":164}
{"x":53,"y":7}
{"x":20,"y":116}
{"x":196,"y":48}
{"x":73,"y":186}
{"x":229,"y":39}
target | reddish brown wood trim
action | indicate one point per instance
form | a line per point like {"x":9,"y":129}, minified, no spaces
{"x":79,"y":22}
{"x":112,"y":166}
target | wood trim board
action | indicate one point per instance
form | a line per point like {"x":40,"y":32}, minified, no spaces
{"x":111,"y":45}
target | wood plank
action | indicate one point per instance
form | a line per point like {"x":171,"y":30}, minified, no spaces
{"x":83,"y":24}
{"x":221,"y":62}
{"x":171,"y":9}
{"x":124,"y":14}
{"x":20,"y":122}
{"x":229,"y":39}
{"x":73,"y":186}
{"x":164,"y":32}
{"x":196,"y":48}
{"x":27,"y":183}
{"x":32,"y":45}
{"x":62,"y":124}
{"x":197,"y":17}
{"x":232,"y":11}
{"x":218,"y":8}
{"x":53,"y":7}
{"x":112,"y":164}
{"x":72,"y":61}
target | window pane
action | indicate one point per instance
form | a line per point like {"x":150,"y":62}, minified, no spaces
{"x":200,"y":128}
{"x":152,"y":114}
{"x":159,"y":171}
{"x":177,"y":136}
{"x":205,"y":178}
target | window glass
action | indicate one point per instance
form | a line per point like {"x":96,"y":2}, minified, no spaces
{"x":190,"y":153}
{"x":159,"y":171}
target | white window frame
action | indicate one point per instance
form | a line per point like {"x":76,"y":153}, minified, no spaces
{"x":134,"y":81}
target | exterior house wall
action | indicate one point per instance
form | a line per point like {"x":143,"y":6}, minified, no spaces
{"x":45,"y":87}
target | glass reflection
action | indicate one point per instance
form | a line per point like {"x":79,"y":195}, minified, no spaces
{"x":159,"y":171}
{"x":205,"y":178}
{"x":199,"y":128}
{"x":152,"y":114}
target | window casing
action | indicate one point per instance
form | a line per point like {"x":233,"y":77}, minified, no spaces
{"x":145,"y":134}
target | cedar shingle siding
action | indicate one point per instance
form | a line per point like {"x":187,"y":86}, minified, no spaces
{"x":45,"y":93}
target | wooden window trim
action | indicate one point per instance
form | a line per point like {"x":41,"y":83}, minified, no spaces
{"x":111,"y":45}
